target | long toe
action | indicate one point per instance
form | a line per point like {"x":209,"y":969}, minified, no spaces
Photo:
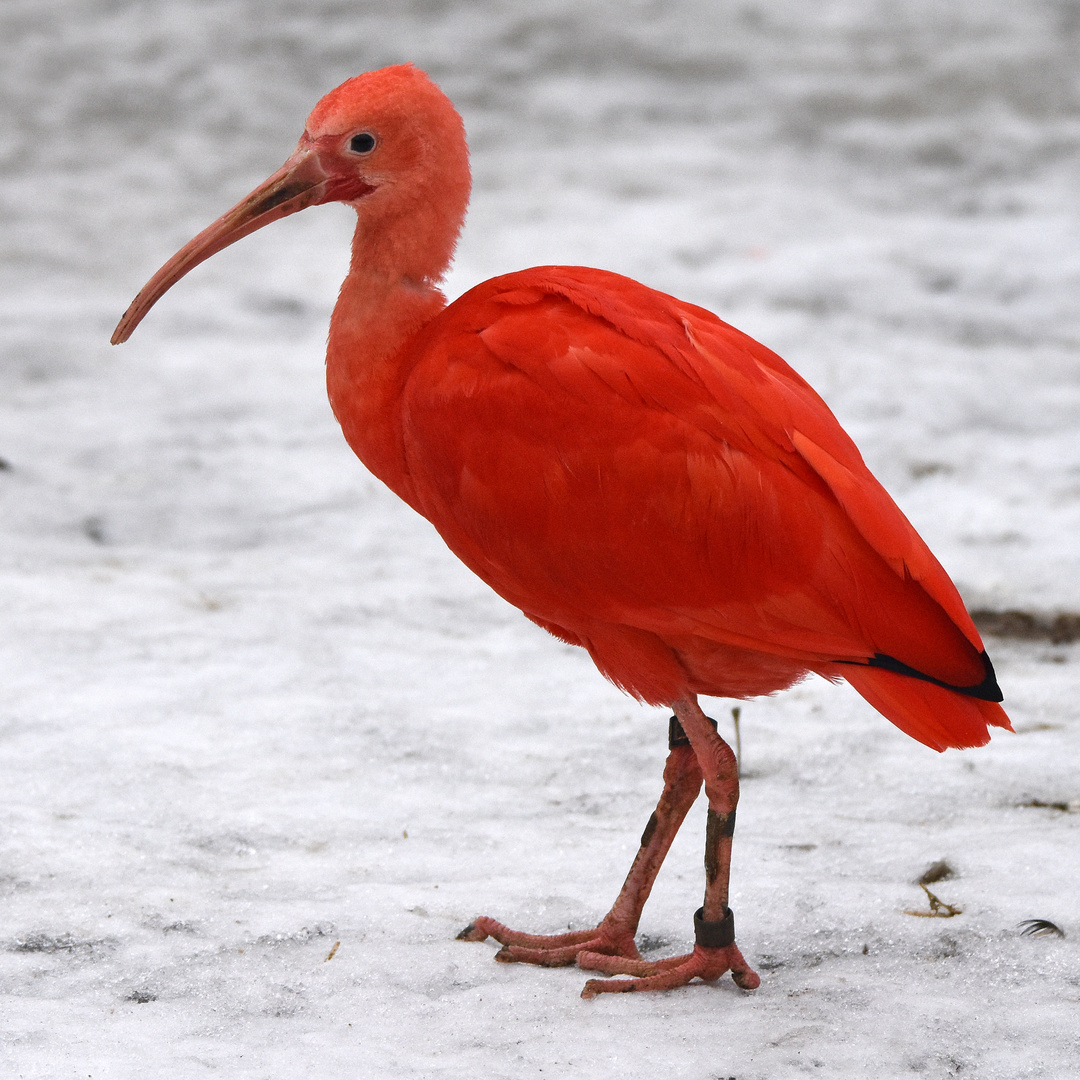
{"x":552,"y":950}
{"x":743,"y":974}
{"x":553,"y":957}
{"x":589,"y":960}
{"x":483,"y":928}
{"x":707,"y":964}
{"x":679,"y":975}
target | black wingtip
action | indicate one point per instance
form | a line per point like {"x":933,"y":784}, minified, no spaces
{"x":987,"y":690}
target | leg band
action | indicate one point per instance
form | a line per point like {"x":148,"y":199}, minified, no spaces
{"x":675,"y":734}
{"x":716,"y":934}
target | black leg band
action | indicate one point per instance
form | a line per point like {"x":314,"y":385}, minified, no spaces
{"x":717,"y":934}
{"x":675,"y":734}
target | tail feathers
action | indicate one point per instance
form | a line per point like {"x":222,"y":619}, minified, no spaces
{"x":934,"y":715}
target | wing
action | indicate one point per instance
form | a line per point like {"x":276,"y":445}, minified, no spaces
{"x":594,"y":449}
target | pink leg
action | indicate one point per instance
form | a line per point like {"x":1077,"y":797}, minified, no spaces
{"x":715,"y":951}
{"x":615,"y":934}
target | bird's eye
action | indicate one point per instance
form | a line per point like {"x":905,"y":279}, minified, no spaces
{"x":363,"y":143}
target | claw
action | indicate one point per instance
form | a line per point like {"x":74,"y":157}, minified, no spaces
{"x":746,"y":979}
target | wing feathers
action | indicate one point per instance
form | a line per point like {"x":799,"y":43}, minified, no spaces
{"x":887,"y":530}
{"x":935,"y":716}
{"x":597,"y":450}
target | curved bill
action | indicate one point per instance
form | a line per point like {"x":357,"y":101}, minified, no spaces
{"x":299,"y":183}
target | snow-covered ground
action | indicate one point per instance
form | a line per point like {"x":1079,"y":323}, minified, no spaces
{"x":249,"y":705}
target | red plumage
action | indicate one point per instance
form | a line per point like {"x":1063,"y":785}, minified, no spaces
{"x":646,"y":481}
{"x":635,"y":475}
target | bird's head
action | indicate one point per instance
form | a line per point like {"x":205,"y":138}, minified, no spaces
{"x":389,"y":143}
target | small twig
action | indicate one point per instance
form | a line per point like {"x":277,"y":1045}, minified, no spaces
{"x":1070,"y":807}
{"x":332,"y":951}
{"x":938,"y":908}
{"x":736,"y":712}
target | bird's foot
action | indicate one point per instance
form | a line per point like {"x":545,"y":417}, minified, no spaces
{"x":714,"y":953}
{"x":704,"y":963}
{"x":554,"y":950}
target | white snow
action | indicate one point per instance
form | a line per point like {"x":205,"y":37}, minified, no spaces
{"x":249,"y":705}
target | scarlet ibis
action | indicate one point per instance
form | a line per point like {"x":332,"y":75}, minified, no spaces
{"x":638,"y":477}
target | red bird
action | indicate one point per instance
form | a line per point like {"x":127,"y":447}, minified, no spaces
{"x":635,"y":475}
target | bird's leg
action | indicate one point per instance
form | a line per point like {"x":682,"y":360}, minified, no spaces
{"x":715,"y":950}
{"x":615,"y":934}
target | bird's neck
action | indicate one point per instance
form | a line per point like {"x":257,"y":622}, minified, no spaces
{"x":368,"y":359}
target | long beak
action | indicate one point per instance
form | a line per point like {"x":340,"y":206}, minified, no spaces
{"x":299,"y":183}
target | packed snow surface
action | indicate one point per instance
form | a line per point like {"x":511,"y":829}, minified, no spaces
{"x":251,"y":708}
